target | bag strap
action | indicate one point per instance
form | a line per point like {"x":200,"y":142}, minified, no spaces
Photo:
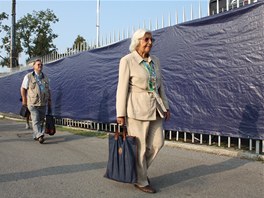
{"x":49,"y":110}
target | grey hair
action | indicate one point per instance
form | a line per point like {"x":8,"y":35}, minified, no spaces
{"x":135,"y":38}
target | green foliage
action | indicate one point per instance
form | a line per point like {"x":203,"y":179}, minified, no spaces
{"x":3,"y":16}
{"x":35,"y":33}
{"x":5,"y":42}
{"x":79,"y":44}
{"x":79,"y":40}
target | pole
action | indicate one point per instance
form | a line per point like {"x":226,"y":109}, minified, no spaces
{"x":98,"y":23}
{"x":13,"y":62}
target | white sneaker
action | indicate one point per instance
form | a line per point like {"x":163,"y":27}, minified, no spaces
{"x":27,"y":126}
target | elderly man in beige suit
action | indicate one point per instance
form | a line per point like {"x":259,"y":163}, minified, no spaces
{"x":141,"y":102}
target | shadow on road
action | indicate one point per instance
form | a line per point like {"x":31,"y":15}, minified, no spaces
{"x":171,"y":179}
{"x":57,"y":170}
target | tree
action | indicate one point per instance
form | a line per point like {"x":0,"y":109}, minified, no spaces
{"x":3,"y":16}
{"x":36,"y":33}
{"x":80,"y":44}
{"x":4,"y":60}
{"x":6,"y":46}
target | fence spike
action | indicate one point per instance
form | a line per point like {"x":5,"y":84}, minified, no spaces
{"x":183,"y":15}
{"x":217,"y":6}
{"x":169,"y":20}
{"x":200,"y":9}
{"x":208,"y":8}
{"x":162,"y":22}
{"x":191,"y":12}
{"x":176,"y":17}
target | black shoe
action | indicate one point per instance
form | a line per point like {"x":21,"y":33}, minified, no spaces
{"x":36,"y":139}
{"x":146,"y":189}
{"x":41,"y":139}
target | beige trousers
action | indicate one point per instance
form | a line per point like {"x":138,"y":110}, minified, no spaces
{"x":150,"y":139}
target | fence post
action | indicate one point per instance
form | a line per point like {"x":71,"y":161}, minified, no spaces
{"x":201,"y":138}
{"x":257,"y":146}
{"x":262,"y":146}
{"x":217,"y":6}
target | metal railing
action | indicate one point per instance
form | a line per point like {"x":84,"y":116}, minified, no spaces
{"x":251,"y":145}
{"x":116,"y":36}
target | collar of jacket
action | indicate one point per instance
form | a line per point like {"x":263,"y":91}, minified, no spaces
{"x":139,"y":59}
{"x":41,"y":75}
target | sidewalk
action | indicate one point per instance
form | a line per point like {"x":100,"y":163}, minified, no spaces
{"x":68,"y":165}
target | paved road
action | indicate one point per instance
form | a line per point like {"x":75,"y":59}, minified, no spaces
{"x":71,"y":166}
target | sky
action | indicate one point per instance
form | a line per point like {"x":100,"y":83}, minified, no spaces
{"x":79,"y":17}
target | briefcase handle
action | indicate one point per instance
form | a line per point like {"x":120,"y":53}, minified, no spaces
{"x":124,"y":132}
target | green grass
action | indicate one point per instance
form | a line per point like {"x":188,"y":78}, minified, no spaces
{"x":83,"y":132}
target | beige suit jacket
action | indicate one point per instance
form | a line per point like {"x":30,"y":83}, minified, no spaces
{"x":133,"y":98}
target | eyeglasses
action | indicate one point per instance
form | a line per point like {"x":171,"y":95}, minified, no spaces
{"x":147,"y":39}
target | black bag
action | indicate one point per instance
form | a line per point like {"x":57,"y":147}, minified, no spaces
{"x":50,"y":123}
{"x":24,"y":112}
{"x":121,"y":164}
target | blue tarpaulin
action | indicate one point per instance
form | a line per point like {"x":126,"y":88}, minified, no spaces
{"x":212,"y":70}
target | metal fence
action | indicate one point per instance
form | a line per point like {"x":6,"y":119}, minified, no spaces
{"x":214,"y":7}
{"x":254,"y":146}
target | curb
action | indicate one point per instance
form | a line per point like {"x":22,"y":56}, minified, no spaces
{"x":200,"y":148}
{"x":217,"y":151}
